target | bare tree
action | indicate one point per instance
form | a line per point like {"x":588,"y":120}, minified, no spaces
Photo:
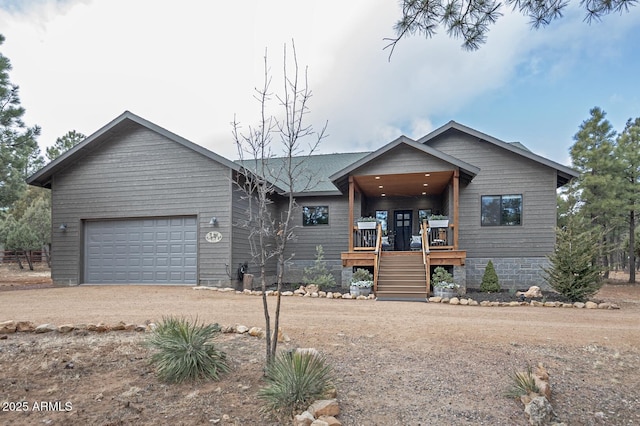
{"x":267,"y":176}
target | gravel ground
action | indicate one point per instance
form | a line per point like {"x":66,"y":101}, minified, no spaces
{"x":396,"y":363}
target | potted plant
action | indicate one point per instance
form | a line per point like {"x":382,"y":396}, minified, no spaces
{"x":361,"y":283}
{"x":367,"y":222}
{"x":438,"y":221}
{"x":443,"y":284}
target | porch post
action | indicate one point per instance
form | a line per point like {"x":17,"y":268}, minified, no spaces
{"x":351,"y":219}
{"x":456,"y":207}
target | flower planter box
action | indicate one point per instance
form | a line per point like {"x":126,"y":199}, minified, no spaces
{"x":356,"y":291}
{"x":445,"y":292}
{"x":367,"y":225}
{"x":439,"y":223}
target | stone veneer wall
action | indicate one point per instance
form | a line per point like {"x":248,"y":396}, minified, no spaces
{"x":513,"y":272}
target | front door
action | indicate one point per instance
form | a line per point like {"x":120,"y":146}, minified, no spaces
{"x":402,"y":224}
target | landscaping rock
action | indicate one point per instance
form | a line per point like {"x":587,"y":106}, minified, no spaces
{"x":45,"y":328}
{"x":319,"y":422}
{"x":312,"y":288}
{"x":66,"y":328}
{"x":464,"y":301}
{"x":256,"y":332}
{"x":435,"y":299}
{"x":591,"y":305}
{"x":473,"y":302}
{"x":241,"y":329}
{"x":536,"y":303}
{"x":454,"y":301}
{"x":330,"y":420}
{"x":287,"y":293}
{"x":7,"y":327}
{"x":329,"y":295}
{"x":578,"y":305}
{"x":304,"y":419}
{"x":347,"y":296}
{"x":25,"y":326}
{"x":324,"y":407}
{"x":533,"y":292}
{"x":539,"y":411}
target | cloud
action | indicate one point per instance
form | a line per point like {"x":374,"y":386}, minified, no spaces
{"x":191,"y":66}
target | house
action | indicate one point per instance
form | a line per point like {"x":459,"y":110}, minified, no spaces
{"x":135,"y":203}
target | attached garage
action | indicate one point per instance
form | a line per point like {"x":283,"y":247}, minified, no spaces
{"x":141,"y":251}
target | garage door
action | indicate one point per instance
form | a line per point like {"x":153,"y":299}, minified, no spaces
{"x":155,"y":251}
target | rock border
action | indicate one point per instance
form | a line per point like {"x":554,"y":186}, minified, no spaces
{"x":13,"y":326}
{"x":313,"y":292}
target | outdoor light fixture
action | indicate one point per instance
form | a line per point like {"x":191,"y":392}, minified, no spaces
{"x":63,"y":227}
{"x":213,"y":221}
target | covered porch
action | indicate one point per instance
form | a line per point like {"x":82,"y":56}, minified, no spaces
{"x":403,"y":185}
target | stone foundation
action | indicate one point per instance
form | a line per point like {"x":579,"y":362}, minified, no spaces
{"x":513,"y":272}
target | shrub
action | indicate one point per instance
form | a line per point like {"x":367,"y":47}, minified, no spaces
{"x":318,"y":274}
{"x":490,"y":279}
{"x":185,"y":351}
{"x":523,"y":383}
{"x":361,"y":275}
{"x":294,"y":381}
{"x":574,"y":272}
{"x":441,"y":278}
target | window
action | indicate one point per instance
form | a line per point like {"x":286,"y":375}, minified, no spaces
{"x":501,"y":210}
{"x":382,"y":216}
{"x":315,"y":215}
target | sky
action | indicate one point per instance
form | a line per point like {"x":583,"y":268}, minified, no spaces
{"x":192,"y":66}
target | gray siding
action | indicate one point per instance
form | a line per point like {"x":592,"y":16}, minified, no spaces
{"x":403,"y":159}
{"x":333,"y":237}
{"x":240,"y":245}
{"x":503,"y":173}
{"x":134,"y":174}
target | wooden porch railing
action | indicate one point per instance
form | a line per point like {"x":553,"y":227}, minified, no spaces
{"x":441,"y":237}
{"x":376,"y":257}
{"x":366,"y":239}
{"x":424,"y":231}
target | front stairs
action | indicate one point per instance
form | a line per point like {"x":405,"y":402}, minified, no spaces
{"x":402,"y":277}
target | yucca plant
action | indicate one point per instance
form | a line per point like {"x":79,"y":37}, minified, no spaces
{"x":294,"y":381}
{"x":185,"y":351}
{"x":523,"y":383}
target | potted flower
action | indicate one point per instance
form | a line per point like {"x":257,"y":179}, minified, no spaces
{"x":367,"y":222}
{"x":443,"y":284}
{"x":438,"y":221}
{"x":361,"y":283}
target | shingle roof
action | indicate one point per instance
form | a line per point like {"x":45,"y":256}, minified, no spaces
{"x":316,"y":171}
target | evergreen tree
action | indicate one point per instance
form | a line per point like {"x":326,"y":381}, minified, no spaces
{"x":64,"y":144}
{"x":597,"y":188}
{"x":490,"y":282}
{"x":318,"y":274}
{"x":470,"y":20}
{"x":628,"y":154}
{"x":574,"y":272}
{"x":19,"y":152}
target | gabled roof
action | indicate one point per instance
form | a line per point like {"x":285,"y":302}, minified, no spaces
{"x":43,"y":176}
{"x":314,"y":173}
{"x":565,"y":174}
{"x":340,"y":178}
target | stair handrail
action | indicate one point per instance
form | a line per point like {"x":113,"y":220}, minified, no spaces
{"x":376,"y":257}
{"x":424,"y":231}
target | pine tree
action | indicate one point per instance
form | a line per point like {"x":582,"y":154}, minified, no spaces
{"x":598,"y":187}
{"x":628,"y":154}
{"x":574,"y":272}
{"x":490,"y":282}
{"x":318,"y":274}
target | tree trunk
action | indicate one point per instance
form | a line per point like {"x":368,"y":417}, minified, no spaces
{"x":632,"y":246}
{"x":47,"y":254}
{"x":17,"y":253}
{"x":27,"y":255}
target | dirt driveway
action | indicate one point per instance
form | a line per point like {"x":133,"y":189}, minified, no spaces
{"x":397,"y":363}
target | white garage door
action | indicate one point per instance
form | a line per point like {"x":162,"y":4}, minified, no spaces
{"x":135,"y":251}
